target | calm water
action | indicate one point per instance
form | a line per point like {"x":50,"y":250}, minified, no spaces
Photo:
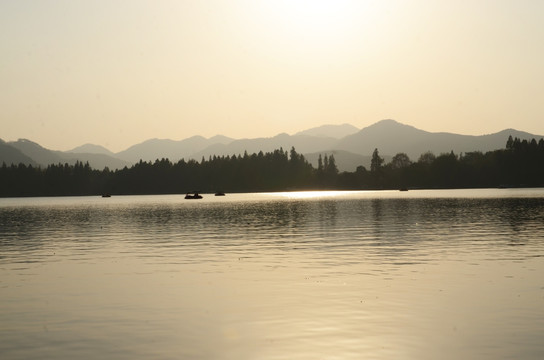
{"x":348,"y":275}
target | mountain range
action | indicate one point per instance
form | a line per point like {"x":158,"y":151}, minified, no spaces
{"x":30,"y":153}
{"x":350,"y":146}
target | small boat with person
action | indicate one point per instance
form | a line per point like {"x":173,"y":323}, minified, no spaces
{"x":193,"y":195}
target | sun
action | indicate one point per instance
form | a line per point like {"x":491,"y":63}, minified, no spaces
{"x":313,"y":16}
{"x":310,"y":23}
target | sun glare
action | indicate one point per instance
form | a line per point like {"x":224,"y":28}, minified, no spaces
{"x":317,"y":22}
{"x":314,"y":16}
{"x":312,"y":194}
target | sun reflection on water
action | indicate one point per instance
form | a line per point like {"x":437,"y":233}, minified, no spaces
{"x":313,"y":194}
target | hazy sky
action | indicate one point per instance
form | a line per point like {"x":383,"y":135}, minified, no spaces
{"x":116,"y":73}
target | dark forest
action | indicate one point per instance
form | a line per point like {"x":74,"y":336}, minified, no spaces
{"x":519,"y":164}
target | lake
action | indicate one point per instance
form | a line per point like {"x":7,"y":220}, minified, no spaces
{"x":449,"y":274}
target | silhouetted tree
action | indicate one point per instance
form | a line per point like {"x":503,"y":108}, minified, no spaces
{"x":319,"y":163}
{"x":426,"y":158}
{"x":510,"y":143}
{"x":399,"y":161}
{"x":376,"y":161}
{"x":331,"y":166}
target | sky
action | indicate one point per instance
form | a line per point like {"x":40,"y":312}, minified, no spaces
{"x":115,"y":73}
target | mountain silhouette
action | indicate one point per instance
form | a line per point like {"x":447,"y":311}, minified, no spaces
{"x":91,"y":149}
{"x":37,"y":153}
{"x":43,"y":157}
{"x":11,"y":155}
{"x":302,"y":144}
{"x":391,"y":137}
{"x":153,"y":149}
{"x":388,"y":136}
{"x":334,"y":131}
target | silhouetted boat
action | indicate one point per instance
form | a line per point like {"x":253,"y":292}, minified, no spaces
{"x":219,"y":193}
{"x":193,"y":195}
{"x":106,"y":195}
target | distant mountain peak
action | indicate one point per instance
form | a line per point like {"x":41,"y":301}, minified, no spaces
{"x":220,"y":139}
{"x":26,"y":141}
{"x":196,"y":137}
{"x":334,"y":131}
{"x":90,"y":149}
{"x":174,"y":150}
{"x":388,"y":123}
{"x":11,"y":155}
{"x":392,"y":137}
{"x":281,"y":135}
{"x":389,"y":127}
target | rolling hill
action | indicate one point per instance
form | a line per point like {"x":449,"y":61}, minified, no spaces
{"x":302,"y":144}
{"x":11,"y":155}
{"x":43,"y":157}
{"x":91,"y":149}
{"x":391,"y":137}
{"x":173,"y":150}
{"x":334,"y":131}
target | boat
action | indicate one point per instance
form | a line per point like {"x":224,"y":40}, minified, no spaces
{"x":219,"y":193}
{"x":106,"y":195}
{"x":193,"y":195}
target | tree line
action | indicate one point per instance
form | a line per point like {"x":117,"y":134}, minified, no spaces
{"x":519,"y":164}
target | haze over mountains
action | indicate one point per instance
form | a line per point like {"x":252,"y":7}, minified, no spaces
{"x":154,"y":149}
{"x":350,"y":146}
{"x":91,"y":149}
{"x":335,"y":131}
{"x":36,"y":155}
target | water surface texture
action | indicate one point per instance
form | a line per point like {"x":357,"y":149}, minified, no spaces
{"x":313,"y":275}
